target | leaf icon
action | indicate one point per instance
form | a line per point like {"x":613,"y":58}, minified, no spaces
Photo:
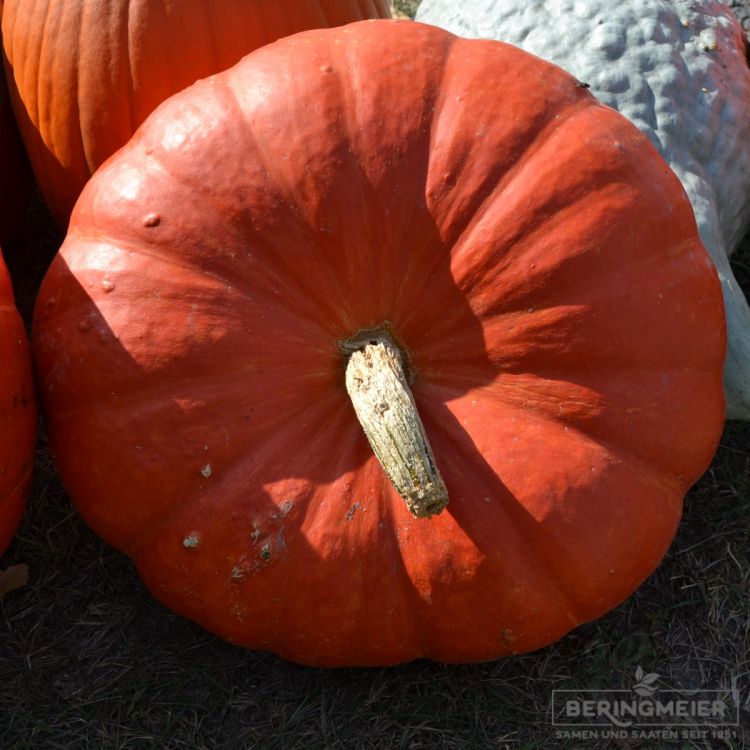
{"x":644,"y":685}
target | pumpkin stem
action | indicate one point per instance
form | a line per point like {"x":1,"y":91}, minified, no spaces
{"x":377,"y":384}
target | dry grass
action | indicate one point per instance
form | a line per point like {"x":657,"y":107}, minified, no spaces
{"x":89,"y":660}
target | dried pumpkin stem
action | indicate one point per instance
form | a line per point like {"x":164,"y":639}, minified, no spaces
{"x":377,"y":385}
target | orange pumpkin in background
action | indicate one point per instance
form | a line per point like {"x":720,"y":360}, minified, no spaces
{"x":17,"y":413}
{"x":353,"y":212}
{"x":84,"y":75}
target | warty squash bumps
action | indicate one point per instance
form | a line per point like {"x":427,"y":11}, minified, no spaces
{"x":349,"y":230}
{"x":17,"y":413}
{"x":679,"y":71}
{"x":84,"y":74}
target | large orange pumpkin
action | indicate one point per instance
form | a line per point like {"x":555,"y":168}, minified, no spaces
{"x":519,"y":251}
{"x":84,"y":75}
{"x":17,"y":413}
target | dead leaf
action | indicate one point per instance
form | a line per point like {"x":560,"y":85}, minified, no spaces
{"x":13,"y":578}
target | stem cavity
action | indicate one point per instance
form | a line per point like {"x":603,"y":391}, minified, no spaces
{"x":377,"y":384}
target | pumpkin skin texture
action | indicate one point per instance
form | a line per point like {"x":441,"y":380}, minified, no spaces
{"x":531,"y":254}
{"x":678,"y":70}
{"x":84,"y":75}
{"x":17,"y":413}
